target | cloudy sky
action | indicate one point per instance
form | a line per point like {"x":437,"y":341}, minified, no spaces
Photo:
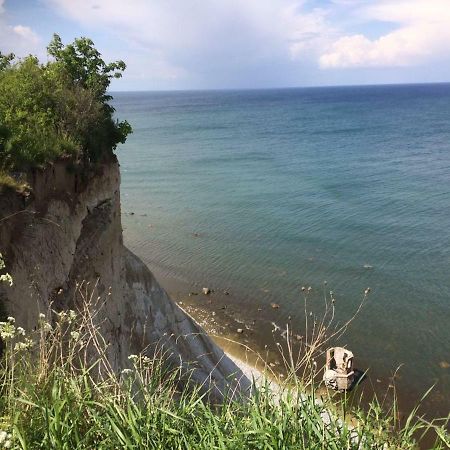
{"x":204,"y":44}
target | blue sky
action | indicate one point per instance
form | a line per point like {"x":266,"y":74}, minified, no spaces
{"x":207,"y":44}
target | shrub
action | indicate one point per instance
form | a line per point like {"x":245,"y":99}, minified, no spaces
{"x":58,"y":109}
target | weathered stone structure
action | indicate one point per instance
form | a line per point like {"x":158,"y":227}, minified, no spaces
{"x":339,"y":374}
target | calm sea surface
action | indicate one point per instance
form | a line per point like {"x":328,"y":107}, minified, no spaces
{"x":265,"y":191}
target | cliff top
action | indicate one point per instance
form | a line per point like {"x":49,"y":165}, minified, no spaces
{"x":56,"y":110}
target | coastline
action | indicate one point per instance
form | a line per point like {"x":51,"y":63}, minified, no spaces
{"x":222,"y":313}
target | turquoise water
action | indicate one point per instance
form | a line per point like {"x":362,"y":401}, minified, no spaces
{"x":292,"y":187}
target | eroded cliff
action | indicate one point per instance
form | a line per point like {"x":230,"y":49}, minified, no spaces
{"x":69,"y":231}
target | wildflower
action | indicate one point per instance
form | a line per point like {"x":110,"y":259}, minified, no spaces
{"x":303,"y":288}
{"x":133,"y":358}
{"x":146,"y":360}
{"x":20,"y":331}
{"x":309,"y":289}
{"x":72,"y":315}
{"x":47,"y":327}
{"x":41,"y":316}
{"x":3,"y":436}
{"x":126,"y":371}
{"x":75,"y":335}
{"x":6,"y":278}
{"x":25,"y":345}
{"x":11,"y":319}
{"x":7,"y":330}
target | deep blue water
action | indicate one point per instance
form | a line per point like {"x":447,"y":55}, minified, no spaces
{"x":292,"y":187}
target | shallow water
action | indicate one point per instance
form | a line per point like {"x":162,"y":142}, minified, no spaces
{"x":265,"y":191}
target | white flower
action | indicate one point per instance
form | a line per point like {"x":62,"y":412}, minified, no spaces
{"x":47,"y":327}
{"x":21,"y":346}
{"x":11,"y":319}
{"x":7,"y":330}
{"x":25,"y":345}
{"x":126,"y":371}
{"x":3,"y":436}
{"x":75,"y":335}
{"x":72,"y":315}
{"x":20,"y":331}
{"x":41,"y":316}
{"x":133,"y":358}
{"x":6,"y":278}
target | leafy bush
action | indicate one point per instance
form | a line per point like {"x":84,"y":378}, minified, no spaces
{"x":57,"y":109}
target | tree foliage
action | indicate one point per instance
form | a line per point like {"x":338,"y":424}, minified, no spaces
{"x":58,"y":109}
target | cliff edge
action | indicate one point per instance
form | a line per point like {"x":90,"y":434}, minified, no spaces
{"x":68,"y":231}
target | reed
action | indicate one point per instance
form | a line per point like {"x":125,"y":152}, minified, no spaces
{"x":58,"y":390}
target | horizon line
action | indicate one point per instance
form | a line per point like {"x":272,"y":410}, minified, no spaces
{"x":420,"y":83}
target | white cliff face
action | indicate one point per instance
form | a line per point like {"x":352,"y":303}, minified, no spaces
{"x":68,"y":231}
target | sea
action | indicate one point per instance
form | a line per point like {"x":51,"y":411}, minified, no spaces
{"x":262,"y":192}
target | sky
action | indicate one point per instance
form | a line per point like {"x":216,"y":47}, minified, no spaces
{"x":227,"y":44}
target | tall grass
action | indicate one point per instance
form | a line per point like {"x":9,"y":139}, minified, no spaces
{"x":58,"y":391}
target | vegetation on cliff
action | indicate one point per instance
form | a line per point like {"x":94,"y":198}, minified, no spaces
{"x":58,"y":391}
{"x":57,"y":109}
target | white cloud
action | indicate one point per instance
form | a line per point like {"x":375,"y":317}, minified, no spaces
{"x":18,"y":39}
{"x":237,"y":43}
{"x":421,"y":34}
{"x":207,"y":39}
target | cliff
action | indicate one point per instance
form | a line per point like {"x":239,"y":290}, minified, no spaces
{"x":68,"y":231}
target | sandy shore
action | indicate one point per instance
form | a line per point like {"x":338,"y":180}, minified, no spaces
{"x":250,"y":332}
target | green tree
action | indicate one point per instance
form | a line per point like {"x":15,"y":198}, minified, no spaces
{"x":58,"y":109}
{"x":5,"y":60}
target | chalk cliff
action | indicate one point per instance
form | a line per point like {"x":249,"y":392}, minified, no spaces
{"x":68,"y":230}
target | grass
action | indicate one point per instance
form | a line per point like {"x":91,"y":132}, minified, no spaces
{"x":58,"y":391}
{"x":7,"y":182}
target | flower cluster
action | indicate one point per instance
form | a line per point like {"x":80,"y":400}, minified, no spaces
{"x":5,"y":278}
{"x":5,"y":439}
{"x":43,"y":324}
{"x":144,"y":360}
{"x":67,"y":317}
{"x":24,"y":345}
{"x":8,"y":330}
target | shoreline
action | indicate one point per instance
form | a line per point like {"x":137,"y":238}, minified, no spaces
{"x":225,"y":311}
{"x":246,"y":332}
{"x":223,"y":314}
